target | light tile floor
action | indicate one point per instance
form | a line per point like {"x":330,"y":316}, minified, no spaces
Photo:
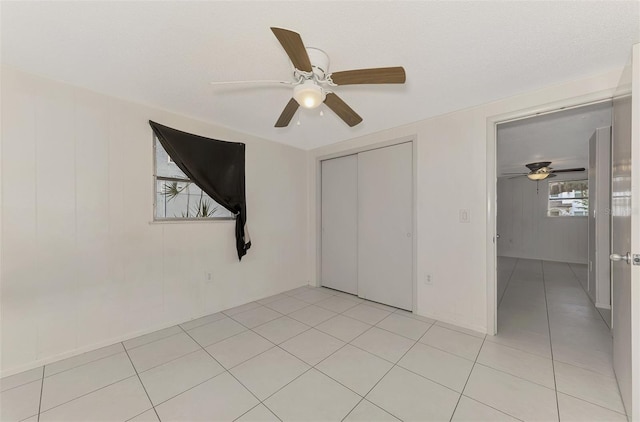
{"x":321,"y":355}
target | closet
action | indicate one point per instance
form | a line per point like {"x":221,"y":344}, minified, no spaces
{"x":367,"y":224}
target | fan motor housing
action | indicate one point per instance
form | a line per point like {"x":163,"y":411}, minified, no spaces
{"x":319,"y":62}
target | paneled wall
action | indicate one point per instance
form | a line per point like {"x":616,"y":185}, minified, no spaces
{"x":82,"y":263}
{"x":526,"y":231}
{"x":451,"y":164}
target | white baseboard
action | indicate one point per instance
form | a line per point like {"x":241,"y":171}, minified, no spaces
{"x":105,"y":343}
{"x":603,"y":305}
{"x":454,"y":321}
{"x":567,"y":261}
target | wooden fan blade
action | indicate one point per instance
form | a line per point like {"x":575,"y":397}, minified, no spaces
{"x":378,"y":75}
{"x":341,"y":108}
{"x":293,"y":45}
{"x":568,"y":170}
{"x":287,"y":114}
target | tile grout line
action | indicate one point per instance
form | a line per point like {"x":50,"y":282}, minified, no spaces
{"x":141,"y":383}
{"x":90,"y":392}
{"x":577,"y":279}
{"x":311,"y":366}
{"x":188,"y":389}
{"x":513,"y":270}
{"x":270,"y":411}
{"x":276,"y":345}
{"x":594,"y":404}
{"x":78,"y":366}
{"x":589,"y":297}
{"x":468,"y":377}
{"x":221,"y":365}
{"x":41,"y":391}
{"x":135,"y":369}
{"x":553,"y":366}
{"x":394,"y":364}
{"x":287,"y":352}
{"x":519,"y":350}
{"x":460,"y":331}
{"x":162,"y":338}
{"x":385,"y":359}
{"x":314,"y":366}
{"x":553,"y":361}
{"x":514,"y":376}
{"x":152,"y":341}
{"x":494,"y":408}
{"x":585,"y":369}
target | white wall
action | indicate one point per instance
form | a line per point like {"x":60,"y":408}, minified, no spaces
{"x":451,"y":175}
{"x":526,"y":231}
{"x":81,"y":264}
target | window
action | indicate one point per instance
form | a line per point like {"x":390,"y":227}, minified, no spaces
{"x":569,"y":198}
{"x":177,"y":197}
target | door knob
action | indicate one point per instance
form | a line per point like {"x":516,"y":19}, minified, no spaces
{"x":616,"y":257}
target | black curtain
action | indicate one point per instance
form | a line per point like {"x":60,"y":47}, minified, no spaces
{"x":216,"y":167}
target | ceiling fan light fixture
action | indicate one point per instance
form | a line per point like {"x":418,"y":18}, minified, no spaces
{"x":308,"y":94}
{"x":538,"y":176}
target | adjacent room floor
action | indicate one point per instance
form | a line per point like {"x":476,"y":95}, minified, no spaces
{"x":317,"y":354}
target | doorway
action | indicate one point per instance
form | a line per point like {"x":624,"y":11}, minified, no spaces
{"x":553,"y":181}
{"x":547,"y":283}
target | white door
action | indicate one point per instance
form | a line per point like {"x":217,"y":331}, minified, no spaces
{"x":625,"y":236}
{"x":339,"y":268}
{"x":385,"y":221}
{"x":593,"y":201}
{"x":599,"y":217}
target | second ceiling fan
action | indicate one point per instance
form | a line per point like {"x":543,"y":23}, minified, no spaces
{"x":312,"y":80}
{"x":541,"y":171}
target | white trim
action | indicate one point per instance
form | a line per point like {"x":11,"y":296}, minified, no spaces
{"x":112,"y":341}
{"x":318,"y":162}
{"x":491,"y":175}
{"x":634,"y":412}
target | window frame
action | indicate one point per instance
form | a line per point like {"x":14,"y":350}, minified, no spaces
{"x":548,"y":199}
{"x":156,"y":178}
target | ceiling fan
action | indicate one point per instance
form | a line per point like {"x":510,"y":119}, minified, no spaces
{"x":541,"y":171}
{"x":312,"y":81}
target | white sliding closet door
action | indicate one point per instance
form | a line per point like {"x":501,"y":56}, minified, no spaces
{"x":339,"y":268}
{"x":385,"y":225}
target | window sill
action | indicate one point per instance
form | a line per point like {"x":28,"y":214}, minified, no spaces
{"x":193,"y":220}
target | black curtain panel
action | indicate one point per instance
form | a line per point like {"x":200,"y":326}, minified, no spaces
{"x":216,"y":167}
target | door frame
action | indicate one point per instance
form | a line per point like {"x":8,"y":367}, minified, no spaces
{"x":492,"y":180}
{"x":351,"y":151}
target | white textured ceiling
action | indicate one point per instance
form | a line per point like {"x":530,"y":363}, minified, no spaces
{"x":456,"y":54}
{"x":561,"y":137}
